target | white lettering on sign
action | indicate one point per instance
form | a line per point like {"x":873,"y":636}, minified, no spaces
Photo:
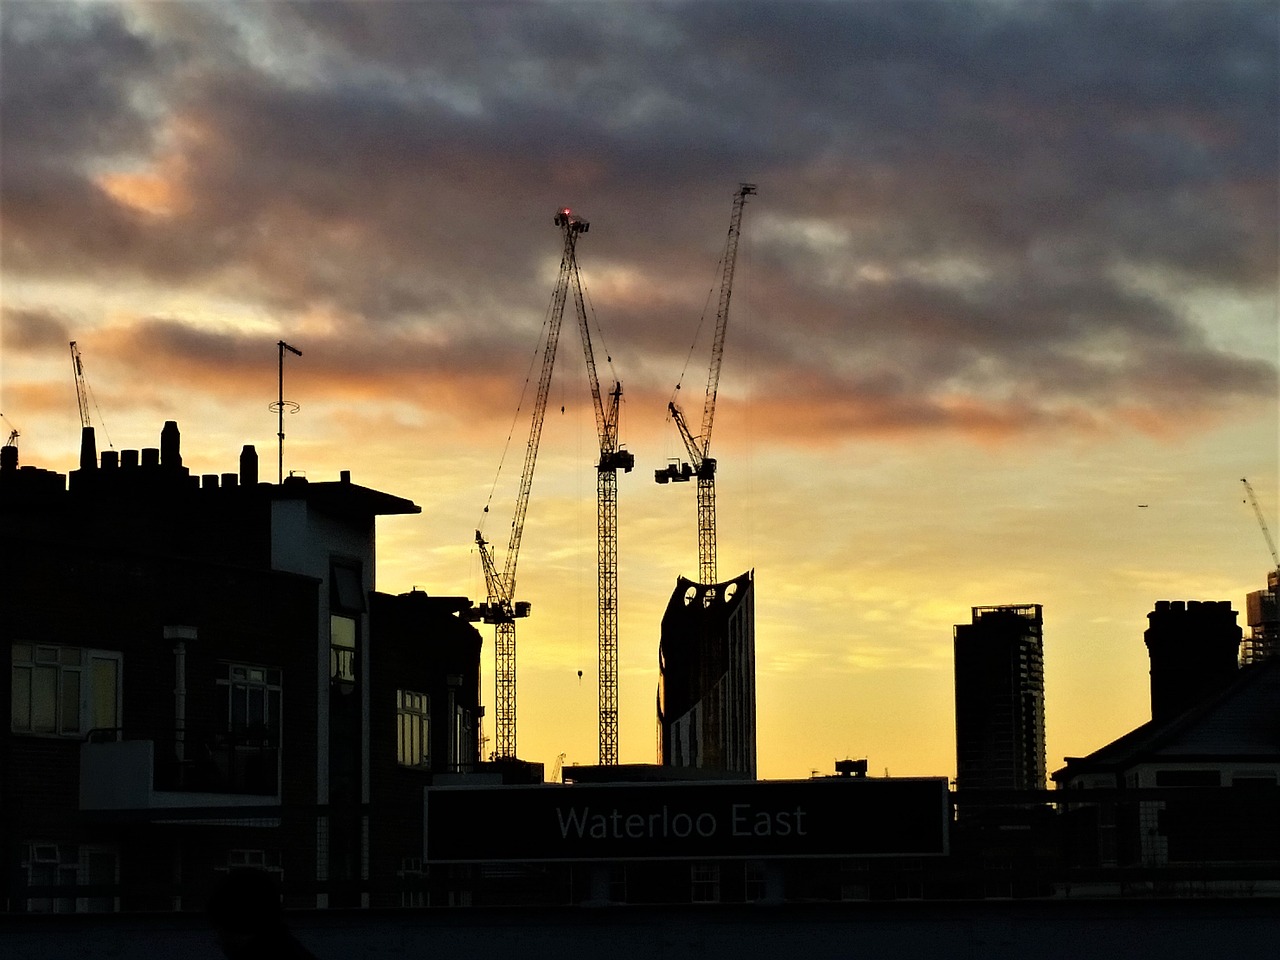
{"x":744,"y":820}
{"x":748,"y":822}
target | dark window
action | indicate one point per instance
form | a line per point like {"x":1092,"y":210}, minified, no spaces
{"x":251,"y":697}
{"x":346,"y":589}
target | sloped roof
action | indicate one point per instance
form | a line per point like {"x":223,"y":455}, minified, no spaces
{"x":1241,"y":722}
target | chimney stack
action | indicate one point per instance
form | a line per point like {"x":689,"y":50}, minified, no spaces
{"x":88,"y":449}
{"x":1195,"y":649}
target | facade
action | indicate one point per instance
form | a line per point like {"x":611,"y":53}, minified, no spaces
{"x":707,"y":677}
{"x":202,"y":677}
{"x":999,"y":683}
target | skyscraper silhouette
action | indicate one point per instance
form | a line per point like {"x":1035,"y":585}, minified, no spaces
{"x":999,"y":678}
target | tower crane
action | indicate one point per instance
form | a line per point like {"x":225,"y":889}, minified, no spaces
{"x":502,"y":609}
{"x":82,"y":389}
{"x":88,"y":442}
{"x":612,"y":457}
{"x":701,"y":464}
{"x":13,"y":432}
{"x":1266,"y":533}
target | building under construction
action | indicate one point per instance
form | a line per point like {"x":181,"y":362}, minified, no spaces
{"x":707,"y":677}
{"x":999,"y":683}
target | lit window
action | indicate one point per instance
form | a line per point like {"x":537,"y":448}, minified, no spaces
{"x":346,"y":604}
{"x":64,"y":691}
{"x":342,"y":649}
{"x":413,"y":729}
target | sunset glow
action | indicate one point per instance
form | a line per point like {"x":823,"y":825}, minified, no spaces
{"x":1004,"y":324}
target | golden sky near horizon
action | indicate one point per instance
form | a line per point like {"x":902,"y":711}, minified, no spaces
{"x":1011,"y":274}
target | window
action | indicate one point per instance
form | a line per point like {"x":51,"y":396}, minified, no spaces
{"x":413,"y":882}
{"x":64,"y":691}
{"x":342,"y":649}
{"x":704,"y":884}
{"x":1188,"y":778}
{"x":251,"y":703}
{"x":413,"y":729}
{"x":346,"y":604}
{"x":72,"y":867}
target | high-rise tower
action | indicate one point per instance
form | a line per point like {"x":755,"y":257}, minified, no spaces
{"x":707,"y":677}
{"x":999,"y":677}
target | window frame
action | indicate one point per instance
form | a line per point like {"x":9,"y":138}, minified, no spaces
{"x":65,"y":661}
{"x":415,"y":716}
{"x":236,"y":677}
{"x":704,"y":882}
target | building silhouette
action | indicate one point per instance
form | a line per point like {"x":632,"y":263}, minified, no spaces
{"x":203,"y":678}
{"x":707,"y":677}
{"x":999,"y":699}
{"x":1195,"y":786}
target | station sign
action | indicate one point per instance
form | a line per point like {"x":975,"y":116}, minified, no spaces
{"x":831,"y":817}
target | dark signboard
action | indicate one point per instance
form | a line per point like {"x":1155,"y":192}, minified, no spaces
{"x":838,"y":816}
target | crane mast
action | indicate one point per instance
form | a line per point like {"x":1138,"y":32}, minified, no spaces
{"x":611,"y":459}
{"x":82,"y":391}
{"x":502,"y":609}
{"x":701,"y":464}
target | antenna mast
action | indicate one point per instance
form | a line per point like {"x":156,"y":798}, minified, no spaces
{"x":281,"y":405}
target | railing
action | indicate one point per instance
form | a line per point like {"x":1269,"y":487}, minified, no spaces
{"x":218,"y":761}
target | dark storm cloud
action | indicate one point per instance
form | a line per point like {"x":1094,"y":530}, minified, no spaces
{"x":396,"y":163}
{"x":68,"y":75}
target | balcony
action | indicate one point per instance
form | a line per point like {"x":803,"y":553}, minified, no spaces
{"x":189,"y":770}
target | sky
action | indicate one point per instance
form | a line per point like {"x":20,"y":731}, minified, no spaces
{"x":1004,"y":325}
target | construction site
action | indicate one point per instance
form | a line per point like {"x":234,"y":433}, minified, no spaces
{"x":205,"y":677}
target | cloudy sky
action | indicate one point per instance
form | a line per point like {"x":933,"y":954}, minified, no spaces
{"x":1011,"y":273}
